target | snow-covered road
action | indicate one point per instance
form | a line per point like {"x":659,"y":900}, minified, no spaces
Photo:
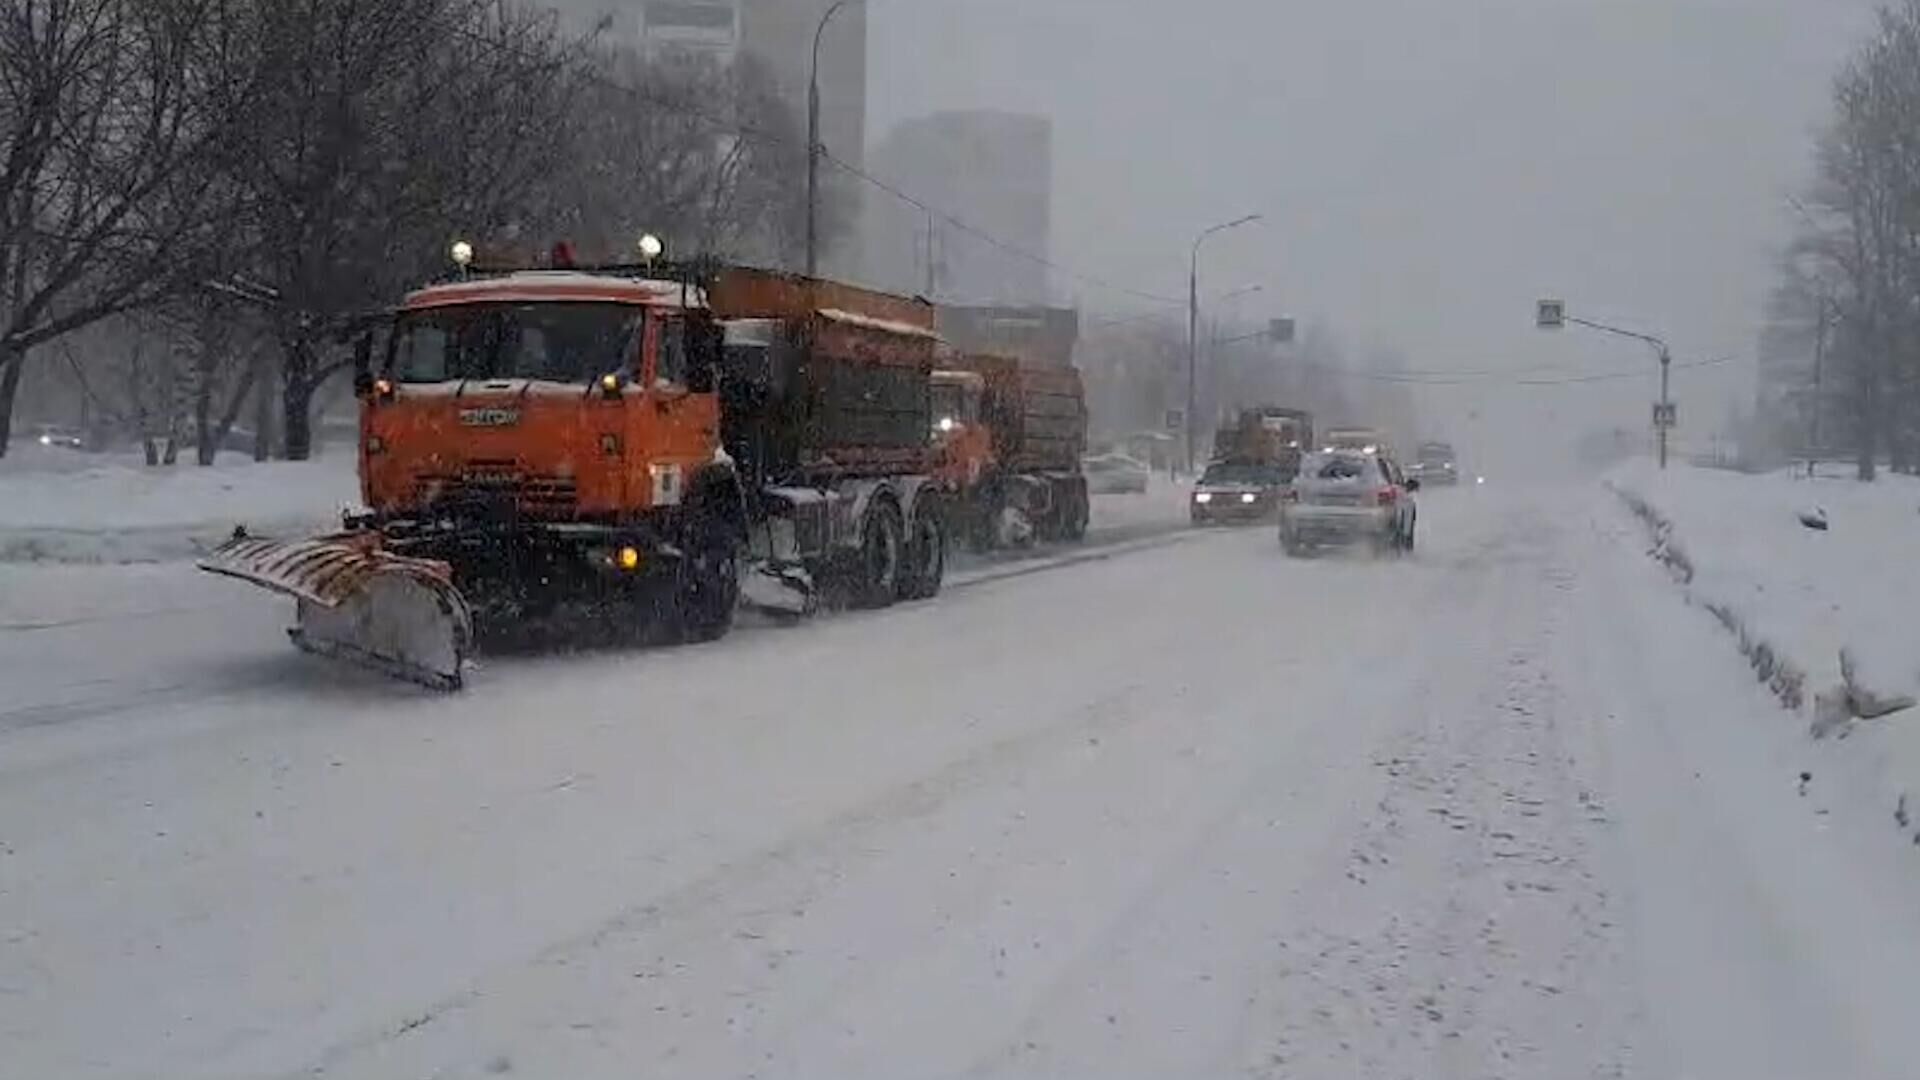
{"x":1507,"y":809}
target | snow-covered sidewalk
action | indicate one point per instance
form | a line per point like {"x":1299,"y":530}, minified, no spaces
{"x":59,"y":506}
{"x":1826,"y":614}
{"x":64,"y":507}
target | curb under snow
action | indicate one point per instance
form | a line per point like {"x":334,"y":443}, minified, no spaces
{"x":1834,"y":709}
{"x":1784,"y":677}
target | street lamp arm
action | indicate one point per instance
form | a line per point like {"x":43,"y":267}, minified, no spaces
{"x":814,"y":149}
{"x":1619,"y":332}
{"x":820,"y":31}
{"x":1220,"y":228}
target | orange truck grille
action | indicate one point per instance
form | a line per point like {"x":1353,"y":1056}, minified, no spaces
{"x":501,"y":485}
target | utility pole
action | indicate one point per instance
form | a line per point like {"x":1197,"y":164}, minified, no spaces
{"x":1193,"y":348}
{"x":1819,"y":393}
{"x":932,"y":271}
{"x":1666,"y":403}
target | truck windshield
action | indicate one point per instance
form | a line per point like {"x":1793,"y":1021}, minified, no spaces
{"x":556,"y":342}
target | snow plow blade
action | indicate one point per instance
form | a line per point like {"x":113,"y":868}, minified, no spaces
{"x":397,"y":615}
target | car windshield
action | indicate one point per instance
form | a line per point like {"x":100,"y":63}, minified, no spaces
{"x":557,"y":342}
{"x":1242,"y":473}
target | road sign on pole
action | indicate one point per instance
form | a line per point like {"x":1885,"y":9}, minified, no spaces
{"x":1176,"y":419}
{"x":1666,"y":415}
{"x":1280,"y":331}
{"x":1552,"y":314}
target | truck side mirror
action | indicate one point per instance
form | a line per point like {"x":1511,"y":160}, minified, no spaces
{"x":363,"y":364}
{"x":703,"y":366}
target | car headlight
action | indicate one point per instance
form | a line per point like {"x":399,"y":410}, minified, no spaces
{"x":1203,"y":497}
{"x":1249,"y":497}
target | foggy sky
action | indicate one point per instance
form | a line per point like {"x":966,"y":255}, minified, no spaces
{"x":1427,"y":167}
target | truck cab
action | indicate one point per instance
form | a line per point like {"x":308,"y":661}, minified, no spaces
{"x":546,"y":396}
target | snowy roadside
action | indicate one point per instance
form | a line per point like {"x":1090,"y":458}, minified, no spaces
{"x":61,"y":507}
{"x":1825,"y":616}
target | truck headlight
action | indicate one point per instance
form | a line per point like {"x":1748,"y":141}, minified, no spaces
{"x":1203,"y":497}
{"x":1249,"y":497}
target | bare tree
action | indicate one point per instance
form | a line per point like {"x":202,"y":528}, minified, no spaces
{"x":698,"y":153}
{"x":378,"y":130}
{"x":1870,"y":186}
{"x":104,"y":141}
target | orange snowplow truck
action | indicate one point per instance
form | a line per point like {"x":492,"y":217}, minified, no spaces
{"x":1011,"y":435}
{"x":627,"y":442}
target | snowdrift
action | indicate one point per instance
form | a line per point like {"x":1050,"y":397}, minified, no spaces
{"x":62,"y":506}
{"x":1814,"y":580}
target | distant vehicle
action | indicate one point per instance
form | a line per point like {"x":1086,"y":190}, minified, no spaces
{"x":1350,"y":496}
{"x":1239,"y":491}
{"x":1435,"y":464}
{"x":1364,"y":440}
{"x":55,"y":435}
{"x":1010,"y":435}
{"x":1267,"y":434}
{"x":1115,"y":474}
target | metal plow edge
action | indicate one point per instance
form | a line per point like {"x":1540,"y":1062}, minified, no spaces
{"x":397,"y":615}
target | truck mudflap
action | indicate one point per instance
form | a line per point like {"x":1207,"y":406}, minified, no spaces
{"x":778,"y":582}
{"x":397,"y":615}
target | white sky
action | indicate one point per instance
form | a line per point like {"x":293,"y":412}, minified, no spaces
{"x":1427,"y":167}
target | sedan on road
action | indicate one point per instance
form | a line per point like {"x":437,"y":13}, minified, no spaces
{"x":1115,"y":474}
{"x":1435,"y":465}
{"x":1349,"y":496}
{"x":1243,"y":492}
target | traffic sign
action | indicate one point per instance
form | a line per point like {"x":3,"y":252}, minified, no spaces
{"x":1666,"y":416}
{"x":1176,"y":419}
{"x":1552,"y":314}
{"x":1280,"y":331}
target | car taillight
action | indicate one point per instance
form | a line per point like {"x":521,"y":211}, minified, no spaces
{"x":1389,"y":496}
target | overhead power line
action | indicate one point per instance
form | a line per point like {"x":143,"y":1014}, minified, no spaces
{"x":989,"y":238}
{"x":733,"y":126}
{"x":1494,"y":378}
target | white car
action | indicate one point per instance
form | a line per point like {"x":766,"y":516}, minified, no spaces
{"x":1349,"y":496}
{"x":1115,"y":474}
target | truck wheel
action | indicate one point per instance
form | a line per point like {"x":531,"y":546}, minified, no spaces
{"x":1077,"y":511}
{"x":706,"y":588}
{"x":876,"y":573}
{"x":926,"y":568}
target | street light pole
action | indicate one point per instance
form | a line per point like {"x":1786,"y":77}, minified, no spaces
{"x":813,"y":140}
{"x":1193,"y":323}
{"x":1666,"y":368}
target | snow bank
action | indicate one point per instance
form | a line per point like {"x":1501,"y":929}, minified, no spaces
{"x":1826,"y":616}
{"x":1165,"y":501}
{"x":69,"y":507}
{"x":61,"y":506}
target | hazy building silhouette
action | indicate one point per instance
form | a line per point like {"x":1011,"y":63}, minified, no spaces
{"x":991,"y":170}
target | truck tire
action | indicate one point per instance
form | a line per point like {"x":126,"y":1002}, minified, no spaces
{"x":875,"y":577}
{"x":926,"y":556}
{"x":706,"y":587}
{"x":1077,"y":511}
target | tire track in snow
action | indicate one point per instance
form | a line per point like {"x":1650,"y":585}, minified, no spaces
{"x":1467,"y":933}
